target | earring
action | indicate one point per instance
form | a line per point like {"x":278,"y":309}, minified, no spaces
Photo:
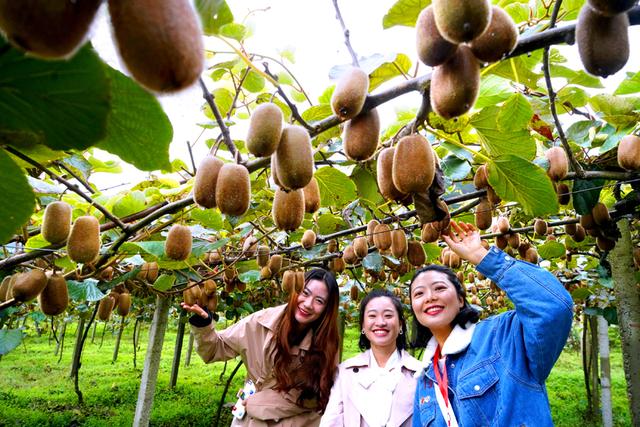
{"x":362,"y":332}
{"x":400,"y":333}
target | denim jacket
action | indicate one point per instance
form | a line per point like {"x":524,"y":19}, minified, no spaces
{"x":498,"y":380}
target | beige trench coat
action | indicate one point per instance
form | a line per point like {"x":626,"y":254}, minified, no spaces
{"x":350,"y":394}
{"x":250,"y":339}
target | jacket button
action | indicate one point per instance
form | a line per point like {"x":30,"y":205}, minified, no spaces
{"x":476,"y":387}
{"x":356,"y":370}
{"x":453,"y":365}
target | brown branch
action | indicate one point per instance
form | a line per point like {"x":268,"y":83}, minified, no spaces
{"x":208,"y":96}
{"x":84,"y":183}
{"x":345,"y":31}
{"x":294,"y":110}
{"x":238,"y":90}
{"x":67,"y":184}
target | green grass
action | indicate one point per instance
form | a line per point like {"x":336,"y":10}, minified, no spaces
{"x":36,"y":390}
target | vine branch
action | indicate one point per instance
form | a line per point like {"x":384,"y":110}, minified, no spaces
{"x":294,"y":110}
{"x":208,"y":96}
{"x":345,"y":31}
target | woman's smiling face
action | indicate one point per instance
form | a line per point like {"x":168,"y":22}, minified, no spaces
{"x":381,"y":323}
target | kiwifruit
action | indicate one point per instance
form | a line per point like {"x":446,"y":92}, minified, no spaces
{"x":105,"y":307}
{"x":83,"y":244}
{"x":603,"y":41}
{"x":353,"y":293}
{"x":124,"y":304}
{"x":299,"y":285}
{"x":265,"y":128}
{"x":415,"y":253}
{"x":454,"y":260}
{"x":250,"y":246}
{"x":360,"y":246}
{"x":288,"y":209}
{"x":503,"y":225}
{"x":611,"y":7}
{"x":384,"y":175}
{"x":210,"y":287}
{"x":600,"y":214}
{"x":480,"y":180}
{"x":498,"y":40}
{"x":514,"y":240}
{"x":311,"y":196}
{"x":371,"y":226}
{"x":455,"y":84}
{"x":294,"y":158}
{"x":493,"y":197}
{"x":398,"y":243}
{"x":382,"y":237}
{"x":47,"y":28}
{"x":361,"y":135}
{"x":629,"y":152}
{"x":178,"y":243}
{"x":483,"y":214}
{"x":501,"y":241}
{"x":540,"y":227}
{"x":159,"y":42}
{"x":204,"y":187}
{"x":485,"y":244}
{"x":414,"y":164}
{"x":558,"y":163}
{"x":274,"y":171}
{"x":148,"y":272}
{"x":332,"y":246}
{"x":460,"y":276}
{"x":605,"y":244}
{"x":429,"y":233}
{"x":106,"y":274}
{"x":522,"y":249}
{"x":230,"y":274}
{"x":275,"y":263}
{"x":262,"y":255}
{"x":4,"y":288}
{"x":350,"y":93}
{"x":564,"y":194}
{"x":461,"y":21}
{"x":212,"y":303}
{"x":288,"y":281}
{"x":587,"y":221}
{"x":570,"y":228}
{"x":308,"y":239}
{"x":580,"y":234}
{"x":28,"y":285}
{"x":233,"y":189}
{"x":265,"y":273}
{"x":349,"y":255}
{"x":337,"y":265}
{"x":229,"y":286}
{"x":433,"y":49}
{"x":56,"y":222}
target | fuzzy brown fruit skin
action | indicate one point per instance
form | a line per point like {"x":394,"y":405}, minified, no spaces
{"x":461,"y":20}
{"x":398,"y":243}
{"x":587,"y":221}
{"x":265,"y":129}
{"x":47,"y":28}
{"x":178,"y":243}
{"x":564,"y":194}
{"x":299,"y":285}
{"x":210,"y":287}
{"x":105,"y":307}
{"x":480,"y":179}
{"x":540,"y":227}
{"x":558,"y":163}
{"x":350,"y":93}
{"x":124,"y":304}
{"x":629,"y":153}
{"x":337,"y":265}
{"x":275,"y":263}
{"x":611,"y":7}
{"x":4,"y":288}
{"x":382,"y":237}
{"x":433,"y":49}
{"x":498,"y":40}
{"x":353,"y":293}
{"x":605,"y":244}
{"x":503,"y":225}
{"x":148,"y":272}
{"x":571,"y":228}
{"x":311,"y":196}
{"x":414,"y":164}
{"x":580,"y":234}
{"x":56,"y":222}
{"x":361,"y":135}
{"x":160,"y":42}
{"x":349,"y":255}
{"x":262,"y":255}
{"x":384,"y":175}
{"x":429,"y":233}
{"x":600,"y":214}
{"x":603,"y":41}
{"x":204,"y":187}
{"x":83,"y":244}
{"x":455,"y":84}
{"x":28,"y":285}
{"x":233,"y":189}
{"x":415,"y":253}
{"x":483,"y":215}
{"x":360,"y":246}
{"x":308,"y":239}
{"x":294,"y":158}
{"x":371,"y":226}
{"x":288,"y":209}
{"x":274,"y":171}
{"x":288,"y":281}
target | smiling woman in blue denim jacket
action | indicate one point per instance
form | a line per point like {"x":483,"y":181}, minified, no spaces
{"x":493,"y":372}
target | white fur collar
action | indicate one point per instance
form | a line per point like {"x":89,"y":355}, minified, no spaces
{"x":457,"y":341}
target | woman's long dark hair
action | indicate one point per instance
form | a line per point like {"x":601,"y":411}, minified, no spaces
{"x":401,"y":340}
{"x":315,"y":377}
{"x":421,"y":334}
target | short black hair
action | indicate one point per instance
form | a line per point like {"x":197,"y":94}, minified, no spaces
{"x":421,"y":334}
{"x":401,"y":340}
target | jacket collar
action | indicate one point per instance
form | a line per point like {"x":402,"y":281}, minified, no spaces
{"x":270,"y":317}
{"x":363,"y":360}
{"x":457,"y":341}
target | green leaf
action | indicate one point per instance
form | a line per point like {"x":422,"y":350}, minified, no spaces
{"x":455,"y":168}
{"x":520,"y":70}
{"x":517,"y":179}
{"x":209,"y":218}
{"x":223,"y":99}
{"x":579,"y":131}
{"x":613,"y":136}
{"x":373,"y":261}
{"x":367,"y":185}
{"x":629,"y":85}
{"x":496,"y":142}
{"x":317,"y":113}
{"x":493,"y":90}
{"x":9,"y":339}
{"x":404,"y":12}
{"x":18,"y":200}
{"x":164,"y":282}
{"x":399,"y":66}
{"x":585,"y":194}
{"x":249,"y":277}
{"x":551,"y":249}
{"x":138,"y":129}
{"x":617,"y":110}
{"x":571,"y":96}
{"x":234,"y":31}
{"x":254,"y":82}
{"x":86,"y":290}
{"x":580,"y":294}
{"x":155,"y":248}
{"x":328,"y":223}
{"x":130,"y":203}
{"x":62,"y":104}
{"x":515,"y":114}
{"x":213,"y":15}
{"x":580,"y":78}
{"x":432,"y":251}
{"x":336,"y":188}
{"x":518,"y":11}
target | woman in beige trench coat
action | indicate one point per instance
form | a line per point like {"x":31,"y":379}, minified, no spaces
{"x":290,"y":353}
{"x":376,"y":388}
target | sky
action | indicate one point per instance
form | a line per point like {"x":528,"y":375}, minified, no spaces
{"x":311,"y":29}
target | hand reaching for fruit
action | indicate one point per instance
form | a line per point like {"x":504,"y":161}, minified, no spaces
{"x":195,"y":309}
{"x":465,"y":241}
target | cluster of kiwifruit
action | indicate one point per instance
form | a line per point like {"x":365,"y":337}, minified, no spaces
{"x":148,"y":272}
{"x":454,"y":36}
{"x":204,"y":294}
{"x":595,"y":224}
{"x":629,"y":152}
{"x":118,"y":299}
{"x":226,"y":186}
{"x":602,"y":34}
{"x":484,"y":210}
{"x":483,"y":292}
{"x":50,"y":289}
{"x":162,"y":49}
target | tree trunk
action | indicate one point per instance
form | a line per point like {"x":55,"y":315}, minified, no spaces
{"x":152,"y":362}
{"x":187,"y":357}
{"x":590,"y":366}
{"x":117,"y":347}
{"x":605,"y":372}
{"x":77,"y":349}
{"x":177,"y":351}
{"x":628,"y":307}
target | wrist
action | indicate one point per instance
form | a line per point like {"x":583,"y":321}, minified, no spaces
{"x":477,"y":257}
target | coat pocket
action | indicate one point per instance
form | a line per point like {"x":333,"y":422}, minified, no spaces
{"x":427,"y":406}
{"x":478,"y":393}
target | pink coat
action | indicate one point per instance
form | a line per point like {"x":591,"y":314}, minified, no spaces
{"x":349,"y":395}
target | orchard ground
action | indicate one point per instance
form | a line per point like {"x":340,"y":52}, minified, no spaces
{"x":35,"y":389}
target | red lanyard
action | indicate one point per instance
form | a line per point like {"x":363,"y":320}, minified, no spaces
{"x":443,"y":381}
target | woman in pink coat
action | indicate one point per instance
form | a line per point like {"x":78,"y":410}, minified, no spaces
{"x":376,"y":388}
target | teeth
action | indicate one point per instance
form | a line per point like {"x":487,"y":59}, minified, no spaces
{"x":433,"y":309}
